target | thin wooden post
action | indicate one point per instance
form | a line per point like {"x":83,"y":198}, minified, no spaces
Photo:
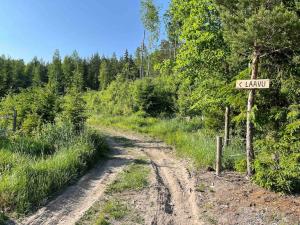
{"x":15,"y":120}
{"x":226,"y":132}
{"x":219,"y":156}
{"x":249,"y":124}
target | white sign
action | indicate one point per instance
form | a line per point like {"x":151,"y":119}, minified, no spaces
{"x":253,"y":84}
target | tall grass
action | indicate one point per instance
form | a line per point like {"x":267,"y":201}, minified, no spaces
{"x":188,"y":137}
{"x":27,"y":179}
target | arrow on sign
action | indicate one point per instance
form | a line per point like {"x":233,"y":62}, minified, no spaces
{"x":240,"y":86}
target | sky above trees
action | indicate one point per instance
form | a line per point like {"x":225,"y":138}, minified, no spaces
{"x":36,"y":28}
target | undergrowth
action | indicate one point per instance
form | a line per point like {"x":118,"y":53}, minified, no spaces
{"x":30,"y":173}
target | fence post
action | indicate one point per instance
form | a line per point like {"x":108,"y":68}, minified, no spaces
{"x":219,"y":156}
{"x":15,"y":120}
{"x":226,"y":133}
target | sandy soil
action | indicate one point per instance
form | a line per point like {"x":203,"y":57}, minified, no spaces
{"x":176,"y":195}
{"x":68,"y":207}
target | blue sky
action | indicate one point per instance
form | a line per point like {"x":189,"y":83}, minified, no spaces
{"x":38,"y":27}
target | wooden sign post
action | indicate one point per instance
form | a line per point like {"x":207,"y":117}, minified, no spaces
{"x":251,"y":85}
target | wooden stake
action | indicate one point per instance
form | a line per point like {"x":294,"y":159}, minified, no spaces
{"x":219,"y":156}
{"x":226,"y":132}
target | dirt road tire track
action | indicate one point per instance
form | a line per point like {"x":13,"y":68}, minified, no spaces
{"x":70,"y":206}
{"x":172,"y":188}
{"x":175,"y":187}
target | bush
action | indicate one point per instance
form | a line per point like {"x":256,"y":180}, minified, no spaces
{"x":241,"y":166}
{"x":281,"y":176}
{"x":278,"y":163}
{"x":34,"y":106}
{"x":154,"y":98}
{"x":277,"y":166}
{"x":117,"y":98}
{"x":74,"y":110}
{"x":151,"y":96}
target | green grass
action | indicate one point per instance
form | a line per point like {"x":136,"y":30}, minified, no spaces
{"x":201,"y":187}
{"x":28,"y":179}
{"x":115,"y":210}
{"x":188,"y":137}
{"x":101,"y":220}
{"x":134,"y":177}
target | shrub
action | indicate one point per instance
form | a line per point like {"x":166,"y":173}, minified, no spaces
{"x":241,"y":165}
{"x":153,"y":97}
{"x":117,"y":98}
{"x":34,"y":106}
{"x":277,"y":165}
{"x":74,"y":110}
{"x":282,"y":174}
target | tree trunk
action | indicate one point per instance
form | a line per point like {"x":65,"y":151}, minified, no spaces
{"x":250,"y":127}
{"x":142,"y":57}
{"x":148,"y":65}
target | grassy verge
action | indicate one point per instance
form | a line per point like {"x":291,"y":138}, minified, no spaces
{"x":29,"y":177}
{"x":186,"y":136}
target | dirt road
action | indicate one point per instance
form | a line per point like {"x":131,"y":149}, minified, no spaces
{"x":171,"y":191}
{"x":175,"y":195}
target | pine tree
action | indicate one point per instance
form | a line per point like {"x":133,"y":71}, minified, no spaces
{"x":93,"y":72}
{"x":6,"y":71}
{"x":37,"y":73}
{"x":68,"y":68}
{"x":55,"y":74}
{"x":114,"y":67}
{"x":103,"y":75}
{"x":78,"y":81}
{"x":259,"y":30}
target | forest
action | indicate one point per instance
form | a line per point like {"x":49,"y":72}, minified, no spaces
{"x":176,"y":89}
